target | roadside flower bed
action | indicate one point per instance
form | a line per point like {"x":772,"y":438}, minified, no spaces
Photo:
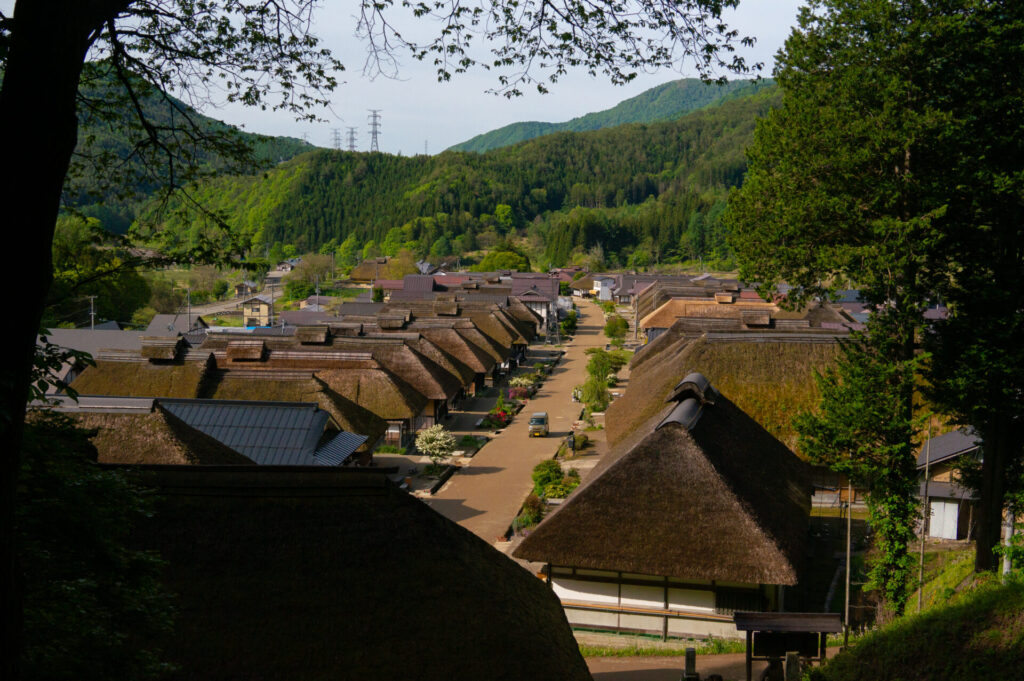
{"x":499,"y":416}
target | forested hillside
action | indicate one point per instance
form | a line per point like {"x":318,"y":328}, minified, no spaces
{"x":118,"y":164}
{"x":642,"y":193}
{"x":663,"y":103}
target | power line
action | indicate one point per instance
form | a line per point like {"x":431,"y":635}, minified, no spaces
{"x":374,"y":120}
{"x":351,"y":139}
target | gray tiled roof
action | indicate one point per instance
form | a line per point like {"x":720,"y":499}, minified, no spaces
{"x":949,"y":446}
{"x":269,"y":433}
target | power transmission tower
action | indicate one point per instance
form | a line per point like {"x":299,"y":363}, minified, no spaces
{"x":336,"y":138}
{"x":374,"y":120}
{"x":305,"y":137}
{"x":351,"y":139}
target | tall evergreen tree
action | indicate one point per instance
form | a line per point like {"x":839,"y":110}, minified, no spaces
{"x":894,"y":163}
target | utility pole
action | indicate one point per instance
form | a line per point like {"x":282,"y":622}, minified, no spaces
{"x":925,"y":517}
{"x":351,"y":139}
{"x":426,"y":151}
{"x":374,"y":120}
{"x":849,"y":544}
{"x":92,"y":313}
{"x":336,"y":139}
{"x":188,"y":306}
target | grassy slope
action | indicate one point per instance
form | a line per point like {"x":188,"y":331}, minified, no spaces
{"x":978,"y":635}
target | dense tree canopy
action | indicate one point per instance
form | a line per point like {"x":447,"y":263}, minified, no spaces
{"x":893,"y":164}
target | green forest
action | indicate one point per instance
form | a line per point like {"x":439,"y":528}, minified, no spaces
{"x":634,"y":195}
{"x":118,"y":165}
{"x":663,"y":103}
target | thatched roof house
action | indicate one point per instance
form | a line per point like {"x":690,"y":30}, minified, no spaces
{"x":283,"y":575}
{"x":769,"y":377}
{"x":138,"y":377}
{"x":141,"y":431}
{"x":369,"y":270}
{"x":698,"y":513}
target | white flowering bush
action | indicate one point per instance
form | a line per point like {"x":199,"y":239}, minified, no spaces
{"x":436,"y":442}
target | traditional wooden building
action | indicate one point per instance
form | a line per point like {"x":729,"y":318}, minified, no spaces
{"x":698,"y":514}
{"x":950,"y":504}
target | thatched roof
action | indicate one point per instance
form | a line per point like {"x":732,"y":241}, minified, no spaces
{"x":419,"y":371}
{"x":156,"y":437}
{"x":292,"y":574}
{"x":770,"y":381}
{"x":490,"y":325}
{"x":700,"y":308}
{"x":160,"y":347}
{"x":705,"y":492}
{"x":377,"y":390}
{"x":141,"y":379}
{"x":440,"y":355}
{"x":311,"y":334}
{"x":473,"y":356}
{"x":245,"y":349}
{"x":485,"y":343}
{"x":369,"y":269}
{"x":268,"y":386}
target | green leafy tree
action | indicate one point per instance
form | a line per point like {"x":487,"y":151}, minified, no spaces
{"x":437,"y":442}
{"x":616,"y":327}
{"x":346,"y":254}
{"x":858,"y":432}
{"x":893,"y":163}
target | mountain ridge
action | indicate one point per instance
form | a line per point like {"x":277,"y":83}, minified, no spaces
{"x":665,"y":102}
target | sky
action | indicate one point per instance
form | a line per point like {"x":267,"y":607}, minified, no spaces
{"x":419,"y":114}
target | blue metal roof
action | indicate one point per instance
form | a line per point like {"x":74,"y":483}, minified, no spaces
{"x":335,"y":451}
{"x":271,"y":434}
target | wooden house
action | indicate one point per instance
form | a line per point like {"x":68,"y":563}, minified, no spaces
{"x":257,"y":311}
{"x":950,"y":504}
{"x":246,"y":288}
{"x":699,"y":514}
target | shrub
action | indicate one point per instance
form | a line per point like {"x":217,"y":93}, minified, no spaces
{"x":390,"y":449}
{"x":523,"y":381}
{"x":616,"y":327}
{"x":545,"y":473}
{"x":436,"y":442}
{"x":533,"y":511}
{"x":518,"y":393}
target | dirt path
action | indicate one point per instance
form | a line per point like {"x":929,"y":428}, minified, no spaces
{"x":485,"y":496}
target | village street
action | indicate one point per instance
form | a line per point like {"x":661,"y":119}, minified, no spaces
{"x":486,"y":495}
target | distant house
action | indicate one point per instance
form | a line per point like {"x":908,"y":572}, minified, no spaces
{"x":246,"y":288}
{"x":256,"y":311}
{"x":603,"y":286}
{"x":951,"y":506}
{"x":369,"y":270}
{"x":698,"y":514}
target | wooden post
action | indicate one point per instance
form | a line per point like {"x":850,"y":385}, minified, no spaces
{"x":925,"y":517}
{"x":750,"y":664}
